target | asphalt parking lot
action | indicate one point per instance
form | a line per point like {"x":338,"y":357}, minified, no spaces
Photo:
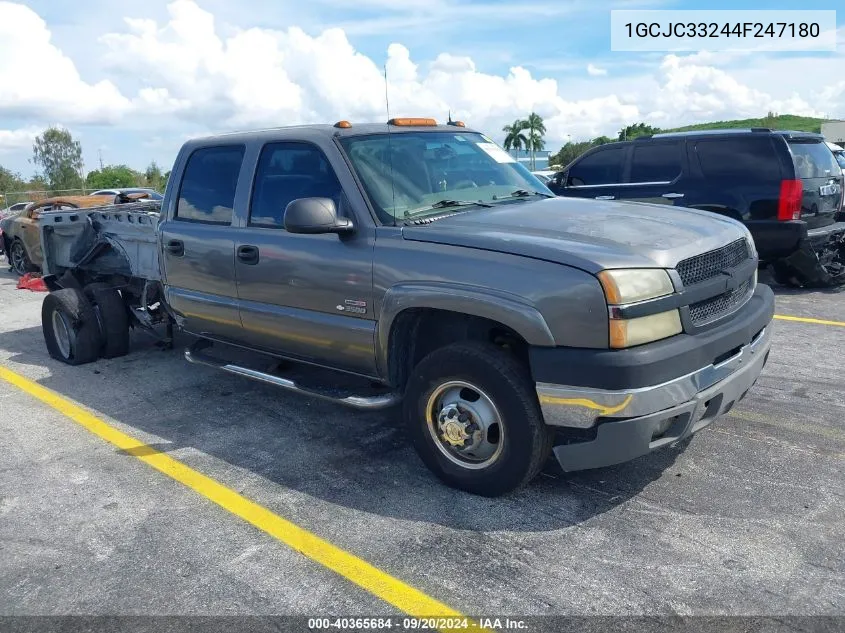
{"x":749,"y":519}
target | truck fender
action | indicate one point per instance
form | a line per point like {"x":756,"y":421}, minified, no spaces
{"x":505,"y":308}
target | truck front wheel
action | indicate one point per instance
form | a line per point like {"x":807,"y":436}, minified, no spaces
{"x":70,"y":327}
{"x":474,"y":419}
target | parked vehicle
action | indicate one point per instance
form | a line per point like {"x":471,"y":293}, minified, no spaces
{"x":784,"y":186}
{"x":507,"y":322}
{"x":152,"y":193}
{"x":20,"y":233}
{"x":838,"y":154}
{"x":13,"y":209}
{"x":544,"y":176}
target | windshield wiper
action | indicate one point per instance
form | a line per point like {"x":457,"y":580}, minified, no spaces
{"x":445,"y":204}
{"x":525,"y":193}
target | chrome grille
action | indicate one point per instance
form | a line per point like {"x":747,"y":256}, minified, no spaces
{"x":702,"y":267}
{"x":721,"y":305}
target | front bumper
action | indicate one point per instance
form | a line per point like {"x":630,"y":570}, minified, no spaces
{"x":610,"y":426}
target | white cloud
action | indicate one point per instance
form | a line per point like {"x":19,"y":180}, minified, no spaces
{"x":259,"y":77}
{"x":18,"y":140}
{"x":38,"y":80}
{"x":196,"y":73}
{"x":595,"y":71}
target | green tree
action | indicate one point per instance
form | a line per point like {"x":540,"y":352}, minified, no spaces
{"x":10,"y":181}
{"x":638,"y":129}
{"x":514,"y":138}
{"x":153,"y":178}
{"x":536,"y":130}
{"x":570,"y":152}
{"x":60,"y":158}
{"x":111,"y":177}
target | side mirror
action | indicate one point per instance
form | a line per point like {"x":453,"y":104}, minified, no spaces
{"x":314,"y":216}
{"x":564,"y":179}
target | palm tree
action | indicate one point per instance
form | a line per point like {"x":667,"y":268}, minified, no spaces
{"x":536,"y":129}
{"x":514,"y":138}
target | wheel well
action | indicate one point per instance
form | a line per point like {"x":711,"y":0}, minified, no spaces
{"x":417,"y":332}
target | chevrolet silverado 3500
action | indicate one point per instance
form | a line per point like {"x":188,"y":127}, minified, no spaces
{"x":509,"y":324}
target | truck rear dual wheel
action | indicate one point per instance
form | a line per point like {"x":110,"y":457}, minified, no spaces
{"x":70,"y":327}
{"x":112,"y":319}
{"x":474,"y":419}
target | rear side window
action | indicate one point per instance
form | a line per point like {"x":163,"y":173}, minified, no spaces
{"x":743,"y":159}
{"x":813,"y":160}
{"x":656,"y":162}
{"x":207,"y":192}
{"x":602,"y":168}
{"x":287,"y":172}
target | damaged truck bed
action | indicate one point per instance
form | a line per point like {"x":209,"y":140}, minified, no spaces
{"x":115,"y":245}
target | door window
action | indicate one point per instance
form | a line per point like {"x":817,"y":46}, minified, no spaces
{"x":207,"y":192}
{"x":656,"y":162}
{"x":743,"y":159}
{"x":288,"y":172}
{"x":601,"y":168}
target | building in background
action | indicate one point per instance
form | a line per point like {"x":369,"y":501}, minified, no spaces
{"x":834,"y":131}
{"x":541,"y":159}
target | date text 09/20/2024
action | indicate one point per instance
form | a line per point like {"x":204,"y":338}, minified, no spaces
{"x":416,"y":624}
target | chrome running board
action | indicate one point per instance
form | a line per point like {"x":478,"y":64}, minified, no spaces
{"x":195,"y":355}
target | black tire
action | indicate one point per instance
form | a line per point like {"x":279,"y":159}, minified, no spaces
{"x":786,"y":276}
{"x":112,"y":319}
{"x":526,"y":440}
{"x":18,"y":258}
{"x":68,"y":307}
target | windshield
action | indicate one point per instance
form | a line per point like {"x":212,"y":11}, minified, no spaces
{"x":436,"y":171}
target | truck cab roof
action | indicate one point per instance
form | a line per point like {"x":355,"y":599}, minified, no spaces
{"x":326,"y":130}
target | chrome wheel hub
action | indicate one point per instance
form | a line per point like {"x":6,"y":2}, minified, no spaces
{"x":465,"y":424}
{"x":457,"y":427}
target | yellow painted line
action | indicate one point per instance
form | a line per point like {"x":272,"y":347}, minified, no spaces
{"x":370,"y":578}
{"x":808,"y":320}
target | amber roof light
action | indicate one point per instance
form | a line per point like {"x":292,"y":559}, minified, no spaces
{"x":343,"y":124}
{"x":412,"y":121}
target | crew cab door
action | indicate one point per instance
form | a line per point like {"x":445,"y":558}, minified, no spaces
{"x":597,"y":174}
{"x":198,"y":244}
{"x":656,"y":173}
{"x":305,"y":296}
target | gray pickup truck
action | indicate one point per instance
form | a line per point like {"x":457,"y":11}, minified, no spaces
{"x":425,"y":263}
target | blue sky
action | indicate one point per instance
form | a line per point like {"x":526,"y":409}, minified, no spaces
{"x":134,"y":91}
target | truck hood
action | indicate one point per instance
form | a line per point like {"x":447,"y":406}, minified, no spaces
{"x":592,"y":235}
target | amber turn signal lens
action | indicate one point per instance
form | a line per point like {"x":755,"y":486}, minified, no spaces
{"x":611,"y":290}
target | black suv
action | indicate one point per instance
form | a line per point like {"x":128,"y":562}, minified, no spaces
{"x":786,"y":187}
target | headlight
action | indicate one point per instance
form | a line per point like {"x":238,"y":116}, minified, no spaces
{"x":630,"y":332}
{"x":636,"y":284}
{"x":627,"y":286}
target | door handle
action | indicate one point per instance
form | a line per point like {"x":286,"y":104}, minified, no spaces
{"x":605,"y":197}
{"x":248,"y":254}
{"x":672,"y":196}
{"x":177,"y":247}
